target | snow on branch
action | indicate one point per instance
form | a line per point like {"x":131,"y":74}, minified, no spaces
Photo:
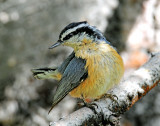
{"x":130,"y":90}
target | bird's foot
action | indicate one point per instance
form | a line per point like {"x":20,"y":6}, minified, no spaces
{"x":80,"y":104}
{"x":84,"y":102}
{"x":114,"y":98}
{"x":90,"y":104}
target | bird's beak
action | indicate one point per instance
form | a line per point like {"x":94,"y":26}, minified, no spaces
{"x":56,"y":44}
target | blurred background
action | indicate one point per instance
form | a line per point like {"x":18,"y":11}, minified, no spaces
{"x":29,"y":27}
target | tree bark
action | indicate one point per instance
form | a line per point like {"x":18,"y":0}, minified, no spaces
{"x":129,"y":91}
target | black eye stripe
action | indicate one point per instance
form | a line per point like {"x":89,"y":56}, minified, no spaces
{"x":70,"y":26}
{"x":87,"y":30}
{"x":68,"y":36}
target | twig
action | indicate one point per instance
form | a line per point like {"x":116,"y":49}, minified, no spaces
{"x":129,"y":91}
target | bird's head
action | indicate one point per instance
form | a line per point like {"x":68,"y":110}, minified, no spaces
{"x":74,"y":34}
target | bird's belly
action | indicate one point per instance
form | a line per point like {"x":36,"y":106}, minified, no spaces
{"x":103,"y":74}
{"x":92,"y":88}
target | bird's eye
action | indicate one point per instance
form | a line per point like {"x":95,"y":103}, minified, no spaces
{"x":60,"y":41}
{"x":71,"y":34}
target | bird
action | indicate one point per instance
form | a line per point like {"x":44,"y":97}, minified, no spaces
{"x":93,"y":68}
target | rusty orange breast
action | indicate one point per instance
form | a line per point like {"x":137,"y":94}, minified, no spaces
{"x":105,"y":69}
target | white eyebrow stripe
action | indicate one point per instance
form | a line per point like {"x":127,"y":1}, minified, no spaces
{"x":72,"y":29}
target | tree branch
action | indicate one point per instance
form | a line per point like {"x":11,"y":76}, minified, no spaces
{"x":128,"y":92}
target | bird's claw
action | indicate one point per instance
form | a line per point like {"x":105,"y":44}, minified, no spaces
{"x":114,"y":98}
{"x":110,"y":96}
{"x":93,"y":106}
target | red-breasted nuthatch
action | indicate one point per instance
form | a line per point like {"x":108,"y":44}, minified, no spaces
{"x":90,"y":70}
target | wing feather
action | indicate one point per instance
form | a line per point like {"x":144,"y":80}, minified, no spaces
{"x":74,"y":72}
{"x":64,"y":65}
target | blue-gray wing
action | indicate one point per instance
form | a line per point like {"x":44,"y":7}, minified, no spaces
{"x":64,"y":65}
{"x":71,"y":78}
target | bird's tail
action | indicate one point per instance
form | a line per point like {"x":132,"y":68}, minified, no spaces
{"x":46,"y":73}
